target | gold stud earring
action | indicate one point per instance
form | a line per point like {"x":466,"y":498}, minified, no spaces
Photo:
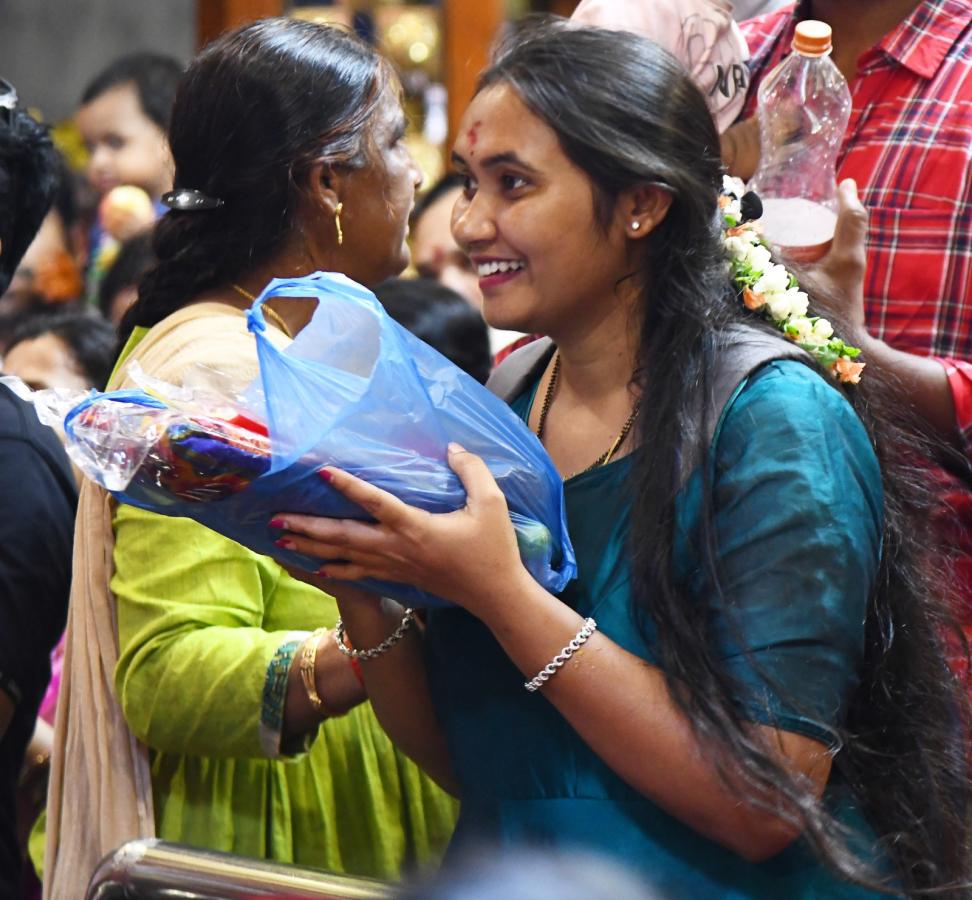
{"x":337,"y":223}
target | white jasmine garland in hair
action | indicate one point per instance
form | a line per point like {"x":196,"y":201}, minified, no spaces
{"x":771,"y":290}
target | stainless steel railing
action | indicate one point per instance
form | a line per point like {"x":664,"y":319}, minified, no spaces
{"x":156,"y":870}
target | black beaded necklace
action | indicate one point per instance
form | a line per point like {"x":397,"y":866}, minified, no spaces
{"x":608,"y":454}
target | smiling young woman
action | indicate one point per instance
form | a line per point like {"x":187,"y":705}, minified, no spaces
{"x":575,"y":283}
{"x":744,"y":692}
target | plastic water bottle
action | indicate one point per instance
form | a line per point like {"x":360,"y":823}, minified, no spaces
{"x":804,"y":105}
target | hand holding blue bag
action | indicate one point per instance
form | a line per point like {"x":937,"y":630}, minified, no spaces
{"x":358,"y":392}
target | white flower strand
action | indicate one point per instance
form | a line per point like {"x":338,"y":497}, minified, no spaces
{"x":550,"y":669}
{"x":769,"y":289}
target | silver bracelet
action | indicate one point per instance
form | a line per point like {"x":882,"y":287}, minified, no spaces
{"x":550,"y":669}
{"x":383,"y":647}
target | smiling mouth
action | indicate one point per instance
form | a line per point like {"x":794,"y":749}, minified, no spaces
{"x":498,"y":267}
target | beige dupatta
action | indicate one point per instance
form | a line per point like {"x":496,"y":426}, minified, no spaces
{"x":100,"y":792}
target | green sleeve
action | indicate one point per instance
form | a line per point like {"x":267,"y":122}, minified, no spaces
{"x":197,"y":667}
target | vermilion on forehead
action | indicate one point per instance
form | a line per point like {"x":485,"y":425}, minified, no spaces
{"x":502,"y":125}
{"x":472,"y":136}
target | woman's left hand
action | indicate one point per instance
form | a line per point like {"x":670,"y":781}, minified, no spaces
{"x":467,"y":556}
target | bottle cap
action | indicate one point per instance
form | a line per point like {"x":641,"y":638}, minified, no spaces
{"x":812,"y":38}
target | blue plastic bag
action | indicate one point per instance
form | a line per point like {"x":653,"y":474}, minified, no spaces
{"x":357,"y":391}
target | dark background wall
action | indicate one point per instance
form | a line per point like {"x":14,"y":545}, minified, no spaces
{"x":50,"y":49}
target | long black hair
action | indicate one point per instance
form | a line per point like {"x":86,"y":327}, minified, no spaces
{"x":627,"y":114}
{"x":28,"y":185}
{"x":252,"y":113}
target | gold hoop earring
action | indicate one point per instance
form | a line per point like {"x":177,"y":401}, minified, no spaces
{"x":337,"y":223}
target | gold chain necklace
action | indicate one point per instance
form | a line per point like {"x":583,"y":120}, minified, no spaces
{"x":271,"y":314}
{"x":606,"y":456}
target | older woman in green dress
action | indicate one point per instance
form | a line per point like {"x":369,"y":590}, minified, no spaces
{"x":202,"y":700}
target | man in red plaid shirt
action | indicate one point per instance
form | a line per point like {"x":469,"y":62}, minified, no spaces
{"x":908,"y":146}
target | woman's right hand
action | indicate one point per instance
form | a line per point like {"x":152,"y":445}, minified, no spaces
{"x":352,"y":599}
{"x":469,"y":556}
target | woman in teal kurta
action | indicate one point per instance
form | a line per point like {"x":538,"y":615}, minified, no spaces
{"x":779,"y":471}
{"x":744,"y":693}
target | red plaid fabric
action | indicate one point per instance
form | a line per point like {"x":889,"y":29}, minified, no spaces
{"x":909,"y":148}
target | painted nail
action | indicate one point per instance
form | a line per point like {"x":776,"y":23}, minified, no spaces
{"x":326,"y":475}
{"x":322,"y":572}
{"x":285,"y":544}
{"x":278,"y":523}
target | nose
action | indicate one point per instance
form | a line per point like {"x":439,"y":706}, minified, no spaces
{"x":417,"y":177}
{"x":98,"y":162}
{"x":473,"y":223}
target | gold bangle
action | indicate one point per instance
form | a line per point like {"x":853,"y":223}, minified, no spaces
{"x":307,"y":666}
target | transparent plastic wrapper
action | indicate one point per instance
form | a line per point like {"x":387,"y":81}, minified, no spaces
{"x":804,"y":107}
{"x":354,"y":390}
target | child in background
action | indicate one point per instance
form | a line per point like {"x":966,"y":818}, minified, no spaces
{"x":75,"y":350}
{"x":68,"y":349}
{"x":124,"y":120}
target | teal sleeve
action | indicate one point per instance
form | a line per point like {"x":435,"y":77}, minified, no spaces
{"x":798,"y":511}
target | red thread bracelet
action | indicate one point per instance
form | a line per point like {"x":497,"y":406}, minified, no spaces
{"x":356,"y":666}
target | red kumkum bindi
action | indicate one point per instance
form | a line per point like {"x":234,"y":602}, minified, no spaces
{"x":473,"y":136}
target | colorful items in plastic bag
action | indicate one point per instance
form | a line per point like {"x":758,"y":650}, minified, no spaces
{"x":354,"y":390}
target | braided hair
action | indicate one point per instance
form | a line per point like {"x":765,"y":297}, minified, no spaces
{"x":253,"y":112}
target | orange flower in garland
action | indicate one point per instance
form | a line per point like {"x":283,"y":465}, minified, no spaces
{"x":848,"y":371}
{"x":752,"y":299}
{"x":769,"y":289}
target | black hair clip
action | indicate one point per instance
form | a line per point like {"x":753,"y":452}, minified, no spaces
{"x":750,"y":206}
{"x":190,"y":200}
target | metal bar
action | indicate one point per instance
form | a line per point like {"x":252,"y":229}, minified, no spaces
{"x":153,"y":870}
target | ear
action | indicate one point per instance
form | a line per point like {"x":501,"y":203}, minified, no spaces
{"x":641,"y":209}
{"x":324,"y":185}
